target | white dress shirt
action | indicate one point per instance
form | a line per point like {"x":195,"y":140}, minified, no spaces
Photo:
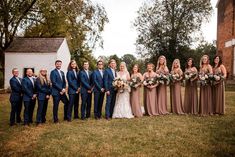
{"x":101,"y":73}
{"x":75,"y":73}
{"x":31,"y":79}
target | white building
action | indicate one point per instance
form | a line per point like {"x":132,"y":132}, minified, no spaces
{"x":35,"y":53}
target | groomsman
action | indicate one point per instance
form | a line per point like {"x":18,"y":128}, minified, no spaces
{"x":16,"y":97}
{"x":109,"y":75}
{"x":73,"y":89}
{"x":58,"y":90}
{"x":86,"y":91}
{"x":29,"y":96}
{"x":98,"y":89}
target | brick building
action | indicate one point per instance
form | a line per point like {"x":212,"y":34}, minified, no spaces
{"x":226,"y":34}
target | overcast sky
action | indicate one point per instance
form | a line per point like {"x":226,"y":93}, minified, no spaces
{"x":119,"y":34}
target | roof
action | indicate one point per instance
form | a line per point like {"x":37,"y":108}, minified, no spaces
{"x":32,"y":45}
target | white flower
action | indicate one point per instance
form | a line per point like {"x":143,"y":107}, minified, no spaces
{"x":206,"y":77}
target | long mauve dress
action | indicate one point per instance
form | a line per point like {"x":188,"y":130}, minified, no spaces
{"x":205,"y":100}
{"x":150,"y":100}
{"x":191,"y":96}
{"x":135,"y":100}
{"x":162,"y":95}
{"x":176,"y":99}
{"x":218,"y":94}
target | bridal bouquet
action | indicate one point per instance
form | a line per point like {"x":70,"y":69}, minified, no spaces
{"x":134,"y":82}
{"x":150,"y":81}
{"x":163,"y":79}
{"x":190,"y":75}
{"x":120,"y":84}
{"x":205,"y":79}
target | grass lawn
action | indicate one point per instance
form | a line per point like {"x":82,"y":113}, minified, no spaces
{"x":171,"y":135}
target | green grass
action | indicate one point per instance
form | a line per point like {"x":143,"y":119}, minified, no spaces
{"x":171,"y":135}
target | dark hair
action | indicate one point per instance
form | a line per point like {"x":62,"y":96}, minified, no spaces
{"x":58,"y":61}
{"x":99,"y":62}
{"x":85,"y":62}
{"x":112,"y":60}
{"x":70,"y":67}
{"x":193,"y":65}
{"x":220,"y":61}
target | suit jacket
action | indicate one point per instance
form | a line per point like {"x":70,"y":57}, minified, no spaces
{"x":57,"y":83}
{"x":108,"y":79}
{"x":16,"y":89}
{"x":42,"y":90}
{"x":28,"y":89}
{"x":73,"y":82}
{"x":86,"y":83}
{"x":98,"y":81}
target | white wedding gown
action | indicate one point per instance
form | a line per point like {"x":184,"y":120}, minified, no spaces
{"x":122,"y":108}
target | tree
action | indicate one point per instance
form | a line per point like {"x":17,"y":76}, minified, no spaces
{"x":81,"y":22}
{"x":167,"y":27}
{"x":130,"y":60}
{"x":14,"y":15}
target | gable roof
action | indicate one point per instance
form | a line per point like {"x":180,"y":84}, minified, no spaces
{"x":32,"y":45}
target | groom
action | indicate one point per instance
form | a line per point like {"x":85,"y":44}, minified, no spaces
{"x":109,"y":75}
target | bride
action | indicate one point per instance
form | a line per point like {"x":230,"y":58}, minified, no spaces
{"x":122,"y":108}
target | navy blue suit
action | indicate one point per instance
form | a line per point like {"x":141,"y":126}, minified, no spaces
{"x":28,"y":91}
{"x":16,"y":100}
{"x":74,"y":84}
{"x":57,"y":85}
{"x":86,"y":84}
{"x":42,"y":91}
{"x":110,"y":99}
{"x":98,"y":94}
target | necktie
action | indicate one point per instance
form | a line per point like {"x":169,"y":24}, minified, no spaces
{"x":87,"y":74}
{"x":60,"y":74}
{"x":31,"y":79}
{"x":75,"y":73}
{"x":18,"y":79}
{"x":101,"y":73}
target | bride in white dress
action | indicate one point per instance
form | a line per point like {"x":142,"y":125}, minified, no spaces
{"x":122,"y":108}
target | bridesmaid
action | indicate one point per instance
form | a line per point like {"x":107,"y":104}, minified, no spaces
{"x":191,"y":95}
{"x":218,"y":89}
{"x":150,"y":92}
{"x":162,"y":88}
{"x":135,"y":93}
{"x":176,"y":100}
{"x":205,"y":100}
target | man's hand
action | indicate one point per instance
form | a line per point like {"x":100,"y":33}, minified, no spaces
{"x":108,"y":92}
{"x":102,"y":90}
{"x":48,"y":96}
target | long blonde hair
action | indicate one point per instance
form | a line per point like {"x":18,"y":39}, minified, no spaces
{"x":175,"y":60}
{"x":43,"y":79}
{"x":158,"y":62}
{"x":201,"y":60}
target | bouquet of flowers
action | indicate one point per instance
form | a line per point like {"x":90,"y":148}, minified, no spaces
{"x":120,"y":84}
{"x":150,"y":81}
{"x":163,"y":79}
{"x":190,"y":75}
{"x":205,"y":79}
{"x":217,"y":78}
{"x":134,"y":82}
{"x":174,"y":77}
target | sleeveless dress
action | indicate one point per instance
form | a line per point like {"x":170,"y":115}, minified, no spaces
{"x":122,"y":108}
{"x":218,"y":94}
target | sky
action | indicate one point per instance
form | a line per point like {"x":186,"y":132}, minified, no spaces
{"x":119,"y":34}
